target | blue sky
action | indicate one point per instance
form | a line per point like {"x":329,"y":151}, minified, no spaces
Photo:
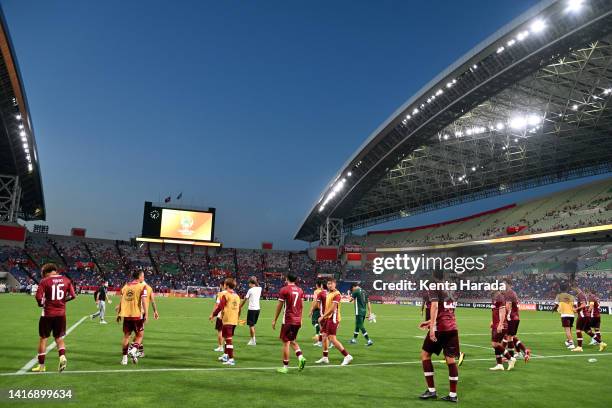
{"x":250,"y":107}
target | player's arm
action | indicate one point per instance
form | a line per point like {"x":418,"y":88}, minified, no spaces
{"x":154,"y":304}
{"x":118,"y":308}
{"x":508,"y":310}
{"x":369,"y":308}
{"x":313,"y":305}
{"x":279,"y":307}
{"x":432,"y":323}
{"x":218,"y":308}
{"x":144,"y":304}
{"x":243,"y":301}
{"x":501,"y":316}
{"x":40,"y":295}
{"x":71,"y":294}
{"x":331,"y":311}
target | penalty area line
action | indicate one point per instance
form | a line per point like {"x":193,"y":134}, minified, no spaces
{"x":23,"y":370}
{"x":205,"y":369}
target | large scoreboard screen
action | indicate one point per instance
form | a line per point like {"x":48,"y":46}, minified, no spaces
{"x":178,"y":223}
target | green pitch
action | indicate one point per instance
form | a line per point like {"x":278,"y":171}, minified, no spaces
{"x":180,"y":369}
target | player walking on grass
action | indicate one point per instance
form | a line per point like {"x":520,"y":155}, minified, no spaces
{"x":582,"y":310}
{"x":442,"y":335}
{"x":363,"y":311}
{"x":100,"y":296}
{"x":253,"y":295}
{"x":511,"y":341}
{"x":595,"y":320}
{"x":315,"y":312}
{"x":133,"y":309}
{"x":219,"y":319}
{"x":564,"y":303}
{"x":54,"y":290}
{"x":229,"y":304}
{"x":499,"y":329}
{"x":291,"y":301}
{"x":332,"y":318}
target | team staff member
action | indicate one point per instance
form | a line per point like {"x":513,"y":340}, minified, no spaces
{"x":253,"y":296}
{"x":100,"y":296}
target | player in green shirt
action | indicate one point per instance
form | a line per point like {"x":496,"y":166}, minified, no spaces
{"x":363,"y":310}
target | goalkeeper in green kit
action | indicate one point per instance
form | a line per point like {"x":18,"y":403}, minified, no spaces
{"x":363,"y":310}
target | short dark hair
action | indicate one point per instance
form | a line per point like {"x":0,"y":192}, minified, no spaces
{"x":291,"y":277}
{"x":48,"y":268}
{"x":136,"y":274}
{"x":331,"y":280}
{"x":230,"y":283}
{"x":253,"y":280}
{"x":354,"y":285}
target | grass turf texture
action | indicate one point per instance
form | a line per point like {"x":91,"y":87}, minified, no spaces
{"x":388,"y":374}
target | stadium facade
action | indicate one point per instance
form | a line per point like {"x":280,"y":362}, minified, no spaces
{"x":528,"y":106}
{"x":21,"y":192}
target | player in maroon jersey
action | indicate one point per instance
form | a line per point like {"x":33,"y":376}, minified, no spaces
{"x":499,"y":327}
{"x":595,"y":319}
{"x":291,"y":298}
{"x":442,"y":334}
{"x":54,"y":290}
{"x":582,"y":309}
{"x":511,"y":341}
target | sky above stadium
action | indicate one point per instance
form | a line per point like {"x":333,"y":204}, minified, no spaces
{"x":249,"y":107}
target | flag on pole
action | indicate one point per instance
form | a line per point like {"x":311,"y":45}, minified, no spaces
{"x":178,"y":197}
{"x":167,"y":199}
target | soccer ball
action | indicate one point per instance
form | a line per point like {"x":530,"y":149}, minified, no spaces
{"x":372,"y":318}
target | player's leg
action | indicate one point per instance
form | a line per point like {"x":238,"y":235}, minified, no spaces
{"x":500,"y":352}
{"x":325,"y":346}
{"x":364,"y":332}
{"x":347,"y":357}
{"x":42,"y":353}
{"x":228,"y":336}
{"x":578,"y":337}
{"x":125,"y":346}
{"x":453,"y":379}
{"x":509,"y":342}
{"x":285,"y":368}
{"x":296,"y":347}
{"x":428,"y":372}
{"x":356,"y":331}
{"x":102,"y":311}
{"x":61,"y":351}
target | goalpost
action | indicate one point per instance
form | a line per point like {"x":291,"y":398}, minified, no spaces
{"x":202,"y":291}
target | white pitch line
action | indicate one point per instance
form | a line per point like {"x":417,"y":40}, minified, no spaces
{"x":520,"y":334}
{"x":489,"y":348}
{"x":50,"y":347}
{"x":196,"y":369}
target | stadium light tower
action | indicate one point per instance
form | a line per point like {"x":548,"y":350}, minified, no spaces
{"x":574,"y":5}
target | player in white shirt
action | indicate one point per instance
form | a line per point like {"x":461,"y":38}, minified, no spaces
{"x":253,"y":296}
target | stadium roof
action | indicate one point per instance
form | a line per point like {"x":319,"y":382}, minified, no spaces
{"x":528,"y":106}
{"x":18,"y":154}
